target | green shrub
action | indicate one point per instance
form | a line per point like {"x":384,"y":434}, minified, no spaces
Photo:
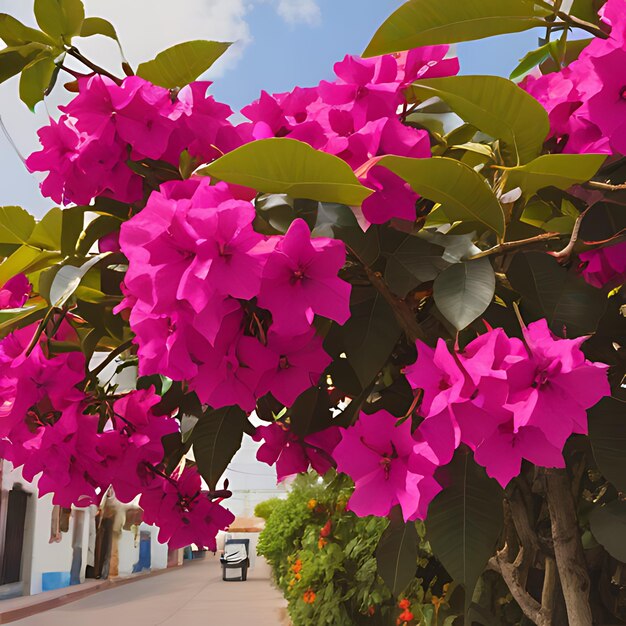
{"x":264,"y":509}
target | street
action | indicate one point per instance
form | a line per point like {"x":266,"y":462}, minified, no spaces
{"x":193,"y":595}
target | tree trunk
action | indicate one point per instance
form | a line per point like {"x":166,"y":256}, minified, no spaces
{"x":568,"y":549}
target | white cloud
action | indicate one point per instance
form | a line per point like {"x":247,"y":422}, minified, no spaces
{"x":299,"y":11}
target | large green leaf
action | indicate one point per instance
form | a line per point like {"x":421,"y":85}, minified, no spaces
{"x":35,"y":80}
{"x":533,"y":58}
{"x":607,"y":434}
{"x":60,"y":18}
{"x":216,"y":438}
{"x":26,"y":259}
{"x":464,"y":291}
{"x":494,"y":105}
{"x":311,"y":412}
{"x":14,"y":33}
{"x":368,"y":337}
{"x":16,"y":225}
{"x":98,"y":26}
{"x":397,"y":554}
{"x":554,"y":170}
{"x":183,"y":63}
{"x":462,"y":192}
{"x":608,"y":525}
{"x":48,"y":232}
{"x":283,"y":165}
{"x":426,"y":23}
{"x":68,"y":278}
{"x":411,"y":262}
{"x":548,"y":290}
{"x":465,"y":520}
{"x":14,"y":59}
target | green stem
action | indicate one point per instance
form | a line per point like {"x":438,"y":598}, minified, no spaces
{"x":110,"y":358}
{"x":73,"y":51}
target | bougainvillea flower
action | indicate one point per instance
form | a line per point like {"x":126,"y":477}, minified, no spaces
{"x":183,"y":513}
{"x":293,"y":455}
{"x":438,"y":374}
{"x":377,"y":453}
{"x":604,"y":267}
{"x":300,"y":281}
{"x":15,"y":292}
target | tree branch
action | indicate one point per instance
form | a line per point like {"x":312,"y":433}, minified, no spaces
{"x":72,"y":51}
{"x":594,"y":184}
{"x":569,"y":248}
{"x":503,"y":248}
{"x":110,"y":358}
{"x":510,"y":573}
{"x":576,"y":22}
{"x":404,"y":315}
{"x":568,"y":548}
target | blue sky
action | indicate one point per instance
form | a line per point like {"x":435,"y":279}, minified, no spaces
{"x":282,"y":43}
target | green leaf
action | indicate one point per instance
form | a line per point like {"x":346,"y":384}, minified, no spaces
{"x":216,"y":438}
{"x":465,"y":520}
{"x":96,"y":229}
{"x":183,"y":63}
{"x":26,"y":260}
{"x":282,"y":165}
{"x":424,"y":23}
{"x":71,"y":228}
{"x":572,"y":52}
{"x":397,"y":554}
{"x":311,"y":412}
{"x":68,"y":278}
{"x":462,"y":192}
{"x":16,"y":225}
{"x":494,"y":105}
{"x":35,"y":80}
{"x":61,"y":19}
{"x":98,"y":26}
{"x":464,"y":291}
{"x":369,"y":336}
{"x":14,"y":33}
{"x":607,"y":434}
{"x":13,"y":60}
{"x":412,"y":262}
{"x":532,"y":59}
{"x":608,"y":525}
{"x":561,"y":296}
{"x":587,"y":10}
{"x":12,"y":319}
{"x":48,"y":232}
{"x":554,"y":170}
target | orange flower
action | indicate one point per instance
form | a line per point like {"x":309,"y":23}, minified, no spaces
{"x":404,"y":604}
{"x":406,"y":616}
{"x":321,"y":543}
{"x":312,"y":503}
{"x":371,"y":609}
{"x":309,"y":596}
{"x":296,"y":567}
{"x":326,"y":530}
{"x":298,"y":576}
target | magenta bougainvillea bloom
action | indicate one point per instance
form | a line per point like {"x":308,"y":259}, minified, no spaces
{"x":300,"y":281}
{"x":292,"y":454}
{"x":604,"y":267}
{"x":195,"y":265}
{"x":505,"y":398}
{"x":183,"y":512}
{"x":15,"y":292}
{"x":388,"y":466}
{"x":86,"y":151}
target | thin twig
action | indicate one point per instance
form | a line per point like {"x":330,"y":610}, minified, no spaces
{"x":506,"y":246}
{"x":92,"y":66}
{"x":576,"y":22}
{"x":594,"y":184}
{"x":565,"y":253}
{"x":111,"y":357}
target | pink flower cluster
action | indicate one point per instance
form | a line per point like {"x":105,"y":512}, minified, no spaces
{"x":505,"y":398}
{"x":201,"y":286}
{"x":292,"y":454}
{"x":356,"y":118}
{"x":586,"y":101}
{"x":604,"y":267}
{"x":50,"y":426}
{"x":86,"y":151}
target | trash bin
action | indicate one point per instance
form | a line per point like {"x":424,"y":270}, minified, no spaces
{"x":235,"y":561}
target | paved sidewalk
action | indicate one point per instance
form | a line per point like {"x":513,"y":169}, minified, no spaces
{"x":193,"y":595}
